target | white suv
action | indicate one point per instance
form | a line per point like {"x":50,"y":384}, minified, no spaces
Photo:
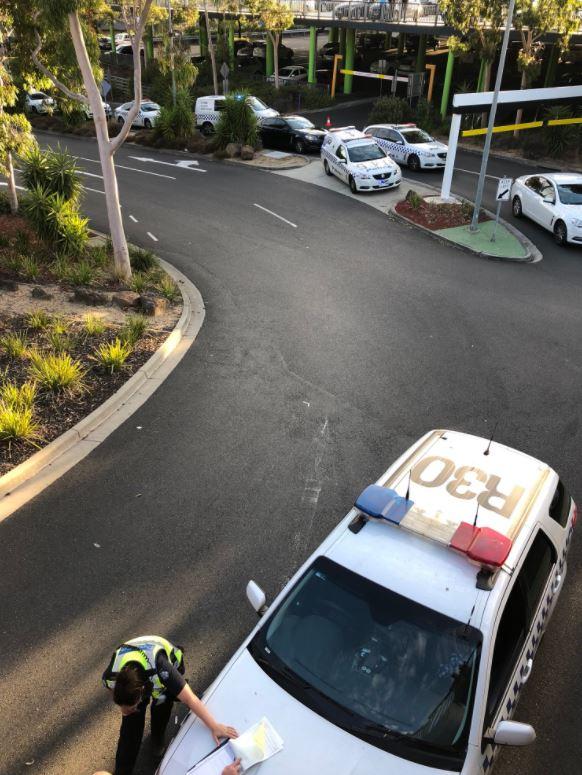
{"x":356,"y":158}
{"x":403,"y":643}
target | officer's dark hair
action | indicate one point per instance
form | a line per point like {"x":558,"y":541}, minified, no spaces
{"x":129,"y":685}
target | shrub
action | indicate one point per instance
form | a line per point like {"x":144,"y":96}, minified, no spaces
{"x":17,"y":424}
{"x":29,"y":268}
{"x":390,"y":110}
{"x":142,"y":260}
{"x":82,"y":273}
{"x":99,"y":256}
{"x":168,"y":288}
{"x":93,"y":325}
{"x":176,"y":123}
{"x":52,"y":170}
{"x":113,"y":355}
{"x":139,"y":282}
{"x":14,"y":345}
{"x":237,"y":122}
{"x":559,"y":139}
{"x":22,"y":240}
{"x":18,"y":396}
{"x":133,"y":329}
{"x":414,"y":199}
{"x":425,"y":115}
{"x":38,"y":320}
{"x":4,"y":203}
{"x":57,"y":373}
{"x":56,"y":220}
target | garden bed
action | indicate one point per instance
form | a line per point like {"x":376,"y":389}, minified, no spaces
{"x":436,"y":216}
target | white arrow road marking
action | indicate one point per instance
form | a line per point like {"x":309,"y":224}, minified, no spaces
{"x":186,"y":163}
{"x":168,"y":163}
{"x":280,"y":217}
{"x":152,"y":236}
{"x":132,"y":169}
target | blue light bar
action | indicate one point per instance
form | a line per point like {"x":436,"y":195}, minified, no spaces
{"x":381,"y":503}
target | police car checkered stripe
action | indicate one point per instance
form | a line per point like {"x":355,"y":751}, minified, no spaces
{"x":207,"y":116}
{"x":491,"y":750}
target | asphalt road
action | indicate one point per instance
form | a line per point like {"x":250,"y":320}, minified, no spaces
{"x":328,"y":348}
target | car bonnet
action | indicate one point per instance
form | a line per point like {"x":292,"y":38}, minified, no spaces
{"x":244,"y":695}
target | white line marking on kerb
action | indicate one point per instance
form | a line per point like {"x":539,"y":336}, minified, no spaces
{"x":152,"y":236}
{"x":280,"y":217}
{"x":133,"y":219}
{"x":132,"y":169}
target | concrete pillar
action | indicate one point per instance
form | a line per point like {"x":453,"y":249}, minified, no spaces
{"x":342,"y":43}
{"x":333,"y":35}
{"x":447,"y":85}
{"x":203,"y":37}
{"x":231,"y":58}
{"x":452,"y":152}
{"x":349,"y":59}
{"x":311,"y":77}
{"x":401,"y":43}
{"x":421,"y":55}
{"x":270,"y":57}
{"x":552,"y":64}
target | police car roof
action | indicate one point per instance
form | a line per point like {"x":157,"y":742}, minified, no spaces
{"x":347,"y":133}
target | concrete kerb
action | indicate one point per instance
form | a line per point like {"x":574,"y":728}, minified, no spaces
{"x":32,"y":476}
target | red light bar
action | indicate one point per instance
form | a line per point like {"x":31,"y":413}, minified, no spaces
{"x":574,"y":515}
{"x":481,"y":544}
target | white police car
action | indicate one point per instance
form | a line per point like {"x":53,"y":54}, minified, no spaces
{"x":554,"y":200}
{"x":407,"y":144}
{"x":355,"y":158}
{"x":403,"y":643}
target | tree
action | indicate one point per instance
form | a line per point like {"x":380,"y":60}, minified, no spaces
{"x":15,"y":130}
{"x":479,"y":24}
{"x":276,"y":17}
{"x":61,"y":39}
{"x":211,"y":50}
{"x":535,"y":18}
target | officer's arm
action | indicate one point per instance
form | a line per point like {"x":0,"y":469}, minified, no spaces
{"x":218,"y":730}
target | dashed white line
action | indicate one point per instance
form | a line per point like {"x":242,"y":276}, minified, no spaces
{"x":94,"y":190}
{"x":152,"y":236}
{"x":280,"y":217}
{"x":90,"y":174}
{"x":133,"y":219}
{"x":472,"y":172}
{"x":132,"y":169}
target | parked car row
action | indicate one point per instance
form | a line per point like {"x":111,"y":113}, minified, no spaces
{"x":41,"y":103}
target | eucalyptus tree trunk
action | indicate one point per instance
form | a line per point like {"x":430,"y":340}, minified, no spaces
{"x":211,"y":49}
{"x":485,"y":87}
{"x":275,"y":41}
{"x":12,"y":195}
{"x":519,"y":115}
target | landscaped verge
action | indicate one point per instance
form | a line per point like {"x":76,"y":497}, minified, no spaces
{"x":449,"y":221}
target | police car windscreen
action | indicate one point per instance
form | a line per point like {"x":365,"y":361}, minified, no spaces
{"x":367,"y":152}
{"x":417,"y":136}
{"x":388,"y":670}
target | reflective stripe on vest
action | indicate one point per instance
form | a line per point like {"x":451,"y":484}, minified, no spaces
{"x":144,"y":650}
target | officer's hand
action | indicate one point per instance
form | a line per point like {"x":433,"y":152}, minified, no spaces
{"x":222,"y":731}
{"x":232,"y":769}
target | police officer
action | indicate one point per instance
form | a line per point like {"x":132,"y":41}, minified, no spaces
{"x":147,"y":669}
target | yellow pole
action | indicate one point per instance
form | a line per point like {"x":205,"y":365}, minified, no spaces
{"x":431,"y":69}
{"x":336,"y":61}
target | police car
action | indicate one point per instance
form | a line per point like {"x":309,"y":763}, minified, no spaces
{"x":407,"y":144}
{"x":356,"y":158}
{"x":402,"y":645}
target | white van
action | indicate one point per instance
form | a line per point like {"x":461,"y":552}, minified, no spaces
{"x":207,"y":110}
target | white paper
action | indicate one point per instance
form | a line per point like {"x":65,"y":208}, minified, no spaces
{"x":215,"y":762}
{"x":256,"y":744}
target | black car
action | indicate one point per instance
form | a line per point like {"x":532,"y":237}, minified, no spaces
{"x":291,"y":133}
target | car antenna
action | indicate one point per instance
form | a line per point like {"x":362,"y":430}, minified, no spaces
{"x":408,"y":485}
{"x":476,"y":515}
{"x":491,"y":439}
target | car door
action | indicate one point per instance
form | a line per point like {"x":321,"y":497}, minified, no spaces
{"x":279,"y":133}
{"x":546,"y":205}
{"x":395,"y":146}
{"x":531,"y":190}
{"x":520,"y":626}
{"x":266,"y":129}
{"x":341,"y":166}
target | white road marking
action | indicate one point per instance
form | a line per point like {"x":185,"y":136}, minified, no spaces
{"x":133,"y":219}
{"x":20,"y":188}
{"x":95,"y":191}
{"x":90,"y":174}
{"x":86,"y":188}
{"x":132,"y":169}
{"x":167,"y":163}
{"x":280,"y":217}
{"x":470,"y":172}
{"x":152,"y":236}
{"x":187,"y":163}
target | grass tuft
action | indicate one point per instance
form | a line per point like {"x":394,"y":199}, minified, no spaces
{"x":17,"y":424}
{"x":133,"y":329}
{"x":168,"y":288}
{"x":39,"y":320}
{"x":57,"y":372}
{"x":113,"y":355}
{"x":93,"y":325}
{"x":139,"y":282}
{"x":14,"y":345}
{"x":82,"y":273}
{"x":18,"y":396}
{"x":30,"y":268}
{"x":141,"y":259}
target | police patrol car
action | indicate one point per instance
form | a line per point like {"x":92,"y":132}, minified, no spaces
{"x":355,"y":158}
{"x":207,"y":110}
{"x":403,"y":643}
{"x":407,"y":144}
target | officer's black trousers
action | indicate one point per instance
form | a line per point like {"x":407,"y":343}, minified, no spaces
{"x":131,"y":733}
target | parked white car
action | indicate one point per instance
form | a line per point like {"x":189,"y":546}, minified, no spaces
{"x":554,"y":200}
{"x":146,"y":116}
{"x":38,"y":102}
{"x":86,"y":108}
{"x":402,"y":645}
{"x":410,"y":145}
{"x":207,"y":110}
{"x":290,"y":74}
{"x":356,"y":159}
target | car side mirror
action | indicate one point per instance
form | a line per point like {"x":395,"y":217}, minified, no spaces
{"x":256,"y":597}
{"x":342,"y":161}
{"x":514,"y":733}
{"x":549,"y":199}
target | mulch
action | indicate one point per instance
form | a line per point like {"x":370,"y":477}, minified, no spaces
{"x":56,"y":413}
{"x":437,"y":216}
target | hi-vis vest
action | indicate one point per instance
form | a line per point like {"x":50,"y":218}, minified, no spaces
{"x":144,"y":651}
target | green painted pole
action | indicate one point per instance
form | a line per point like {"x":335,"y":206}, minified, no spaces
{"x":342,"y":43}
{"x":333,"y":35}
{"x":552,"y":65}
{"x":349,"y":60}
{"x":112,"y":36}
{"x":401,"y":43}
{"x":481,"y":76}
{"x":311,"y":77}
{"x":203,"y":37}
{"x":447,"y":86}
{"x":421,"y":55}
{"x":269,"y":58}
{"x":149,"y":43}
{"x":231,"y":62}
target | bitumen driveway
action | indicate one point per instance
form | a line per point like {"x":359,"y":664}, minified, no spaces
{"x":333,"y":339}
